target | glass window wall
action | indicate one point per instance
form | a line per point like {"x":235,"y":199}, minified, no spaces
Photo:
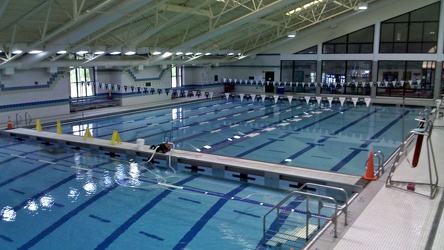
{"x":414,"y":32}
{"x":360,"y":41}
{"x":406,"y":78}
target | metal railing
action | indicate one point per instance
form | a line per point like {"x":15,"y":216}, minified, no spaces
{"x":28,"y":119}
{"x":283,"y":213}
{"x":19,"y":119}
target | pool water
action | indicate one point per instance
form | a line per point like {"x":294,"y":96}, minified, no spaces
{"x":67,"y":198}
{"x":334,"y":139}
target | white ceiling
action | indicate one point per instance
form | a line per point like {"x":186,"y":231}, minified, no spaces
{"x":243,"y":27}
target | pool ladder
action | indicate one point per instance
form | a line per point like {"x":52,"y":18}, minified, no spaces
{"x":19,"y":119}
{"x":287,"y":226}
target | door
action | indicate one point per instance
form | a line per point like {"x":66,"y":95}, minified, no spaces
{"x":269,"y":77}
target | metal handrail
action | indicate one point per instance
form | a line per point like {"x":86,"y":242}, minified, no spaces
{"x":343,"y":207}
{"x":277,"y":207}
{"x":17,"y":121}
{"x":26,"y":119}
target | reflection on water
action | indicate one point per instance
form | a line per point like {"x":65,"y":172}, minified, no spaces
{"x":32,"y":207}
{"x":73,"y":194}
{"x":46,"y":201}
{"x":8,"y":214}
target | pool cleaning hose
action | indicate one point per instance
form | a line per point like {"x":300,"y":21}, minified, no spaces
{"x":131,"y":179}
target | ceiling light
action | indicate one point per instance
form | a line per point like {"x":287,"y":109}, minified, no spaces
{"x":114,"y":51}
{"x":303,"y":7}
{"x":291,"y":34}
{"x":129,"y":51}
{"x":363,"y":6}
{"x":99,"y":50}
{"x":230,"y":54}
{"x":188,"y":53}
{"x":198,"y":53}
{"x":166,"y":54}
{"x":18,"y":48}
{"x":208,"y":53}
{"x":179,"y":53}
{"x":81,"y":52}
{"x":35,"y":51}
{"x":156,"y":51}
{"x":60,"y":52}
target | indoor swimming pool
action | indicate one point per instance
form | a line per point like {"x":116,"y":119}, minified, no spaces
{"x":68,"y":198}
{"x":336,"y":139}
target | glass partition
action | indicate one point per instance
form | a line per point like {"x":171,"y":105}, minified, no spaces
{"x":406,"y":78}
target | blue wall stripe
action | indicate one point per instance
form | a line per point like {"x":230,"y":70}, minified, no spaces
{"x":189,"y":236}
{"x":36,"y":104}
{"x":47,"y":85}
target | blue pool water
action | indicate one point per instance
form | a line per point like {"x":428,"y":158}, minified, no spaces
{"x":311,"y":136}
{"x":64,"y":198}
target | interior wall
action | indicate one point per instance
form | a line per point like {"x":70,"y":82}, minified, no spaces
{"x":242,"y":70}
{"x":136,"y":79}
{"x":36,"y":92}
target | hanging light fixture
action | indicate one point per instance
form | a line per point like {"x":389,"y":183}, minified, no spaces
{"x":363,"y":6}
{"x":129,"y":50}
{"x":291,"y":34}
{"x":18,"y":48}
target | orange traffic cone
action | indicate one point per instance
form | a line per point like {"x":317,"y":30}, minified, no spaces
{"x":9,"y":123}
{"x":370,"y":173}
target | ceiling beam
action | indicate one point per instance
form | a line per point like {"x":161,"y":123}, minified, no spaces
{"x":265,"y":10}
{"x":182,"y":9}
{"x":3,"y":6}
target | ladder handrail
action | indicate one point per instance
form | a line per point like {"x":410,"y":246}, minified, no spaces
{"x":343,"y":207}
{"x":309,"y":214}
{"x":26,"y":118}
{"x":17,"y":121}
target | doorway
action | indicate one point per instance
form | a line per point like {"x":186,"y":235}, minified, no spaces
{"x":269,"y":77}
